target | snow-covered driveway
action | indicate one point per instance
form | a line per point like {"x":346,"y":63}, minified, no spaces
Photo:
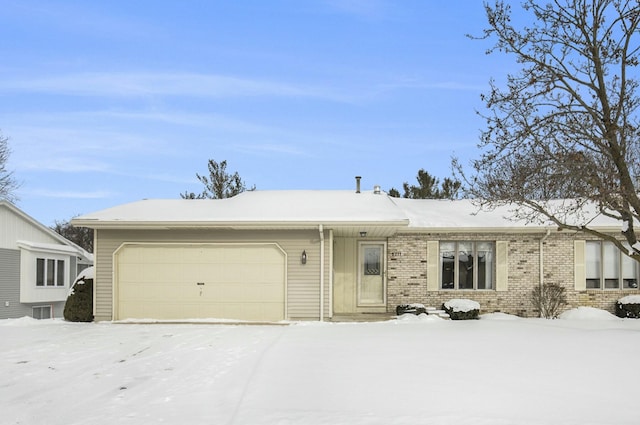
{"x":436,"y":372}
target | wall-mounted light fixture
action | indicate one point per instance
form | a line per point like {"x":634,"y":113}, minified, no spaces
{"x":363,"y":234}
{"x":303,"y":257}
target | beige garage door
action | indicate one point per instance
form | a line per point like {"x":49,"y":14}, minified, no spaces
{"x":226,"y":281}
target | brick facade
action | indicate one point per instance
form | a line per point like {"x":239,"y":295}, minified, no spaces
{"x":407,"y":273}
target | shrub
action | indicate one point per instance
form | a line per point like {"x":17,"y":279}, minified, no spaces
{"x":79,"y":305}
{"x":410,"y":309}
{"x":549,"y":299}
{"x":628,"y":307}
{"x":462,"y":309}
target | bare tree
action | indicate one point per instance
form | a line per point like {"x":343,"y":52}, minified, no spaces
{"x":565,"y":126}
{"x":219,"y":184}
{"x":81,"y":236}
{"x":8,"y":184}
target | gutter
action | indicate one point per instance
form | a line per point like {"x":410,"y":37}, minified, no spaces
{"x":229,"y":224}
{"x":321,"y":231}
{"x":330,"y":273}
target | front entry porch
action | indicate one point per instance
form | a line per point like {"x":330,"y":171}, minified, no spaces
{"x":360,"y":280}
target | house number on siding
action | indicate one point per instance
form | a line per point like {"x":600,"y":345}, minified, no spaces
{"x":395,"y":254}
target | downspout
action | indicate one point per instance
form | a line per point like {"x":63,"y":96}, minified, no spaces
{"x":542,"y":239}
{"x":95,"y":276}
{"x":330,"y":273}
{"x":321,"y":231}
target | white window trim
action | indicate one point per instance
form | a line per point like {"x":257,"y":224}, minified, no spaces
{"x":602,"y":286}
{"x":56,"y":261}
{"x":494,"y":274}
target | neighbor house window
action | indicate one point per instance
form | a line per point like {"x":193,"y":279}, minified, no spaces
{"x":609,"y":268}
{"x":467,"y":265}
{"x":41,"y":312}
{"x":50,"y":272}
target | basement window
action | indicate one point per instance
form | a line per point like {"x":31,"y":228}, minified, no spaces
{"x":467,"y":265}
{"x":41,"y":312}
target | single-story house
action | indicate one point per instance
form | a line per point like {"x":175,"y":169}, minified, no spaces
{"x":37,"y":266}
{"x":325,"y":255}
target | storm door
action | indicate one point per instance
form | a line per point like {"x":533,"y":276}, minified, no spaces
{"x":371,"y":273}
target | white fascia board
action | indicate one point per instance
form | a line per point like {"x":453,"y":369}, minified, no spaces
{"x":506,"y":229}
{"x":312,"y":224}
{"x":48,"y":247}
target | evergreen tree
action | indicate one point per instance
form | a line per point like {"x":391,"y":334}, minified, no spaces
{"x":219,"y":184}
{"x":428,"y":187}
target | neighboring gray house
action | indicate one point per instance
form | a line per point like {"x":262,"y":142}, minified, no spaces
{"x":328,"y":255}
{"x":37,"y":266}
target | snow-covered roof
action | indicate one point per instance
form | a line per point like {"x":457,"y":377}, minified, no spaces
{"x":48,"y":247}
{"x":447,"y":214}
{"x":287,"y":208}
{"x":306,"y":208}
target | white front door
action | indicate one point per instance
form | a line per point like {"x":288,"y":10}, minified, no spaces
{"x":371,"y":273}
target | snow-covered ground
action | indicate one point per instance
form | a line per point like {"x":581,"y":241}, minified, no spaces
{"x":580,"y":369}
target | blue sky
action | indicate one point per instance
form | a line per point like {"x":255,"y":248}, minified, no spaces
{"x":108,"y":102}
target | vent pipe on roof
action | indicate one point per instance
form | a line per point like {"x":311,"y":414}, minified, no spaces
{"x":376,"y":189}
{"x":358,"y":184}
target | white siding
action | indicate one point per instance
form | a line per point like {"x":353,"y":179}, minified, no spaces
{"x":14,"y":227}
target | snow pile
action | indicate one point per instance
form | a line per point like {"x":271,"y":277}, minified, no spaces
{"x":587,"y":313}
{"x":423,"y":317}
{"x":87,"y":273}
{"x":499,"y":316}
{"x":24,"y":321}
{"x":630,"y":299}
{"x":462,"y":305}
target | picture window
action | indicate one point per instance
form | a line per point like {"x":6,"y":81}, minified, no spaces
{"x":50,"y":272}
{"x":467,"y":265}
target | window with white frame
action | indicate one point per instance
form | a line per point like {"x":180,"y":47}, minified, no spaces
{"x":50,"y":272}
{"x":609,"y":268}
{"x":467,"y":265}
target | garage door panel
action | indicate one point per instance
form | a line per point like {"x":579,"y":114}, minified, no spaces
{"x":242,"y":282}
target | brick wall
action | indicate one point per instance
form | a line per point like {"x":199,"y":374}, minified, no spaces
{"x":407,"y":273}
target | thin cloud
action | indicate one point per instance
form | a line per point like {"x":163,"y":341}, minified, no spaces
{"x":168,"y":84}
{"x":61,"y":165}
{"x":66,"y":194}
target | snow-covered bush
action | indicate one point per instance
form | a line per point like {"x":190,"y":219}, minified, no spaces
{"x":628,"y":306}
{"x":548,"y":299}
{"x":462,"y":309}
{"x":410,"y":309}
{"x":79,"y":305}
